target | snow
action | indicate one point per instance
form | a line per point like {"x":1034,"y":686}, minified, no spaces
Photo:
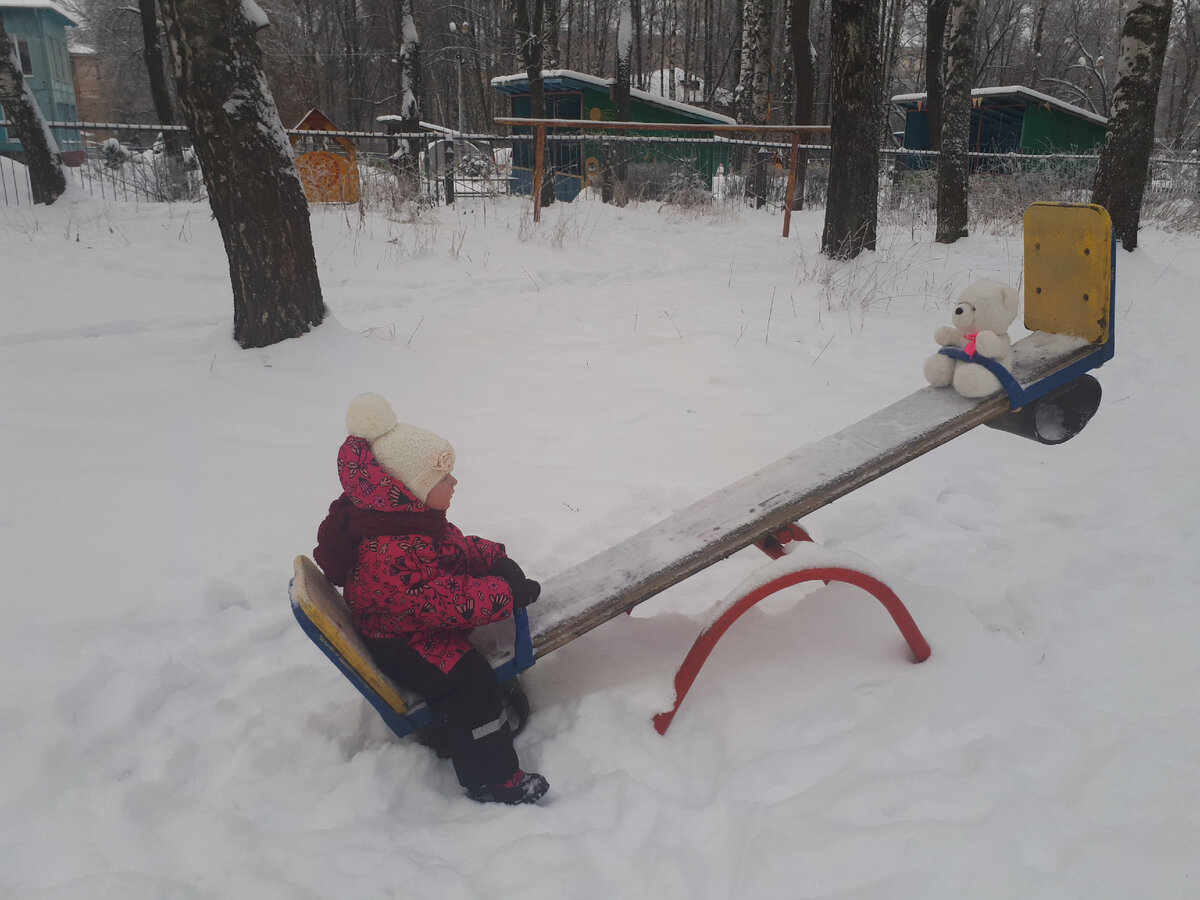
{"x":255,"y":15}
{"x":59,"y":8}
{"x":606,"y":83}
{"x":1020,"y":90}
{"x":168,"y":730}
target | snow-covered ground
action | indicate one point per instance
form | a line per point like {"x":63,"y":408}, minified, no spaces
{"x":167,"y":731}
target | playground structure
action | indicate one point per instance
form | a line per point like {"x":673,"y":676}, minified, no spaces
{"x":326,"y":159}
{"x":1048,"y":397}
{"x":540,"y":126}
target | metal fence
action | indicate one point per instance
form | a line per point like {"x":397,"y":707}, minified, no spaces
{"x":695,"y":170}
{"x":129,"y":163}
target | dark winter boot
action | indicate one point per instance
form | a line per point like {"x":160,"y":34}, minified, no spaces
{"x":522,"y":787}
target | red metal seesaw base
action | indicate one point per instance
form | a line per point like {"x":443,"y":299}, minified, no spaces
{"x":773,"y":547}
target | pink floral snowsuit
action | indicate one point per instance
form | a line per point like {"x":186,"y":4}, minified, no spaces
{"x":429,"y":591}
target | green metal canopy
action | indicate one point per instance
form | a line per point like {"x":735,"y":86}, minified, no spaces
{"x":1012,"y":119}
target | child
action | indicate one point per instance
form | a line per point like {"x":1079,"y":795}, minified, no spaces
{"x":416,"y":586}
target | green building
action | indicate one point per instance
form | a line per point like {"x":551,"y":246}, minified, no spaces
{"x":574,"y":95}
{"x":1009,"y":120}
{"x":38,"y":29}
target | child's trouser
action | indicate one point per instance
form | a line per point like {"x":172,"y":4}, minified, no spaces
{"x":465,"y":702}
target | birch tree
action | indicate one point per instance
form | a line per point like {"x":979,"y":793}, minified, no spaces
{"x":954,"y":159}
{"x":1121,"y":174}
{"x":852,"y":207}
{"x":618,"y":192}
{"x":755,"y":69}
{"x":26,"y":122}
{"x":249,"y":170}
{"x":408,"y":89}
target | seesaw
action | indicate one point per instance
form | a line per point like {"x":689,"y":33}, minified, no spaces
{"x":1047,"y":396}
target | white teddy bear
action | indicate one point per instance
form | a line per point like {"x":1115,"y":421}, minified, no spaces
{"x":981,"y":319}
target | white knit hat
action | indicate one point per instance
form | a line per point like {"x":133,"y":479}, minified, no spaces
{"x":417,"y":457}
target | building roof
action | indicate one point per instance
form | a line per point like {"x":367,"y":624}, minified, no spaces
{"x":566,"y":80}
{"x":909,"y":101}
{"x":40,"y":4}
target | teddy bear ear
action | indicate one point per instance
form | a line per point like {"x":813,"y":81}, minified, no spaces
{"x":369,"y":416}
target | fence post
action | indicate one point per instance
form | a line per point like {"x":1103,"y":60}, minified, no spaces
{"x":539,"y":163}
{"x":791,"y":185}
{"x":761,"y":161}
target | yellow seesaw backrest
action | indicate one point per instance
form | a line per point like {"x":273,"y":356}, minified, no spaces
{"x":326,"y":609}
{"x":1068,"y":270}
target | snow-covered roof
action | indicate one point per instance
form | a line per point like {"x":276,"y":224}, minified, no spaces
{"x":40,"y":4}
{"x":502,"y":81}
{"x":1017,"y":90}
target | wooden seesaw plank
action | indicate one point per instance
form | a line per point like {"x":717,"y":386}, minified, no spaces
{"x":626,"y":574}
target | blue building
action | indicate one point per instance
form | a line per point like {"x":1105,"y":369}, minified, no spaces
{"x":38,"y":29}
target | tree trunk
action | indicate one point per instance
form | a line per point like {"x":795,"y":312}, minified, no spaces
{"x":152,"y":55}
{"x":751,"y":15}
{"x":529,"y":21}
{"x":1120,"y":179}
{"x":754,"y":79}
{"x":852,"y":209}
{"x":935,"y":44}
{"x":618,"y":192}
{"x":407,"y":46}
{"x":26,"y":123}
{"x":805,"y":69}
{"x":553,"y":50}
{"x":1035,"y":50}
{"x":891,"y":38}
{"x":248,"y":167}
{"x":954,"y":159}
{"x":761,"y":104}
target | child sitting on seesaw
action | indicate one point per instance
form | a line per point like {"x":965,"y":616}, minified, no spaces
{"x":416,"y":586}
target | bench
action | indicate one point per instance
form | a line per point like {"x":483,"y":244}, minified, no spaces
{"x":1069,"y":289}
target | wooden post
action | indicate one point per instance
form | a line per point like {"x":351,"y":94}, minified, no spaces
{"x":538,"y":172}
{"x":791,"y":185}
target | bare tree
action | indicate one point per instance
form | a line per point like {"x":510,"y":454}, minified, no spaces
{"x":407,"y":44}
{"x":1180,"y":70}
{"x":755,"y":62}
{"x":937,"y":13}
{"x":1034,"y":65}
{"x":618,"y":191}
{"x":891,"y":22}
{"x":160,"y":91}
{"x":954,"y":159}
{"x":529,"y":21}
{"x":804,"y":64}
{"x":1078,"y":37}
{"x":1125,"y":159}
{"x":852,"y":207}
{"x":248,"y":167}
{"x":46,"y":177}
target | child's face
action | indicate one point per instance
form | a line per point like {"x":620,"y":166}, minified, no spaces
{"x":442,"y":493}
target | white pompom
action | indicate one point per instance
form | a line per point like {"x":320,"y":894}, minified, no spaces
{"x":369,"y":416}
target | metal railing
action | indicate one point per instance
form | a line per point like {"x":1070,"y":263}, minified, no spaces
{"x":734,"y":168}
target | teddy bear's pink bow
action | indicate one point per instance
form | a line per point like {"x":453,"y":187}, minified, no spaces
{"x":969,"y":347}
